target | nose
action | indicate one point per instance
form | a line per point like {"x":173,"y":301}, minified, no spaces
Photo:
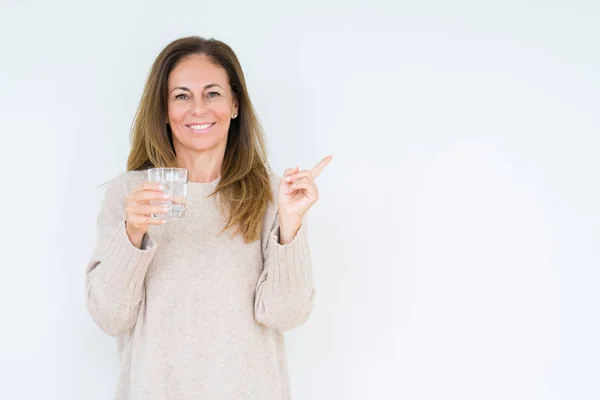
{"x":198,"y":107}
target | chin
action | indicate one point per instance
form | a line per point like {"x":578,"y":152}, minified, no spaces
{"x":202,"y":143}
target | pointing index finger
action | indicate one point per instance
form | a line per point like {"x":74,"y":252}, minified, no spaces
{"x":317,"y":169}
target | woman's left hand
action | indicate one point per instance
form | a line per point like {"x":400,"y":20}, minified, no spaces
{"x":298,"y":193}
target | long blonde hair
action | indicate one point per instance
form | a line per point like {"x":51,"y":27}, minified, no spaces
{"x":244,"y":188}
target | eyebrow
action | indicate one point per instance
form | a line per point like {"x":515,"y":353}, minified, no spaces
{"x":205,"y":87}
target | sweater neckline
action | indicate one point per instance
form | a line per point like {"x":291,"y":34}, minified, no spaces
{"x":199,"y":190}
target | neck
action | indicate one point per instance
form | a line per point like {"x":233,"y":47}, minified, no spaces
{"x":203,"y":166}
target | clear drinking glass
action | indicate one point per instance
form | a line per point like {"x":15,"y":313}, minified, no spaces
{"x":174,"y":181}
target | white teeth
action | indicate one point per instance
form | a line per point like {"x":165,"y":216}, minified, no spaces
{"x":203,"y":126}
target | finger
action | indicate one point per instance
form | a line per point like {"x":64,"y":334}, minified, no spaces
{"x":155,"y":187}
{"x":290,"y":190}
{"x":147,"y":186}
{"x":145,"y":210}
{"x":301,"y":177}
{"x":301,"y":185}
{"x":317,"y":169}
{"x":150,"y":220}
{"x":289,"y":171}
{"x":153,"y":209}
{"x":298,"y":175}
{"x":141,"y":221}
{"x":155,"y":221}
{"x":148,"y":195}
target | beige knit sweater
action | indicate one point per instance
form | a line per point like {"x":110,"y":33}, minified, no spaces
{"x":196,"y":315}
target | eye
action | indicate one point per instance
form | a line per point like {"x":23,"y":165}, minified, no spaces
{"x":217,"y":94}
{"x":180,"y":95}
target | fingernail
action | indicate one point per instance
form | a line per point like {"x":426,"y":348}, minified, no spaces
{"x":160,"y":187}
{"x":289,"y":178}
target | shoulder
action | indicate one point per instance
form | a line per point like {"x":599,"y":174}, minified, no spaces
{"x":271,"y":211}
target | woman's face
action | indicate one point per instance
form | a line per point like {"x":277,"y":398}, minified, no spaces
{"x":199,"y":93}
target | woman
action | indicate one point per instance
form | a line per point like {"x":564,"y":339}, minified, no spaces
{"x":199,"y":304}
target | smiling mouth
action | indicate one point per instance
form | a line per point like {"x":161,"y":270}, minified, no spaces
{"x":201,"y":128}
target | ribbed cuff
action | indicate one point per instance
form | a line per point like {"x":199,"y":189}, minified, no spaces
{"x":123,"y":265}
{"x":289,"y":265}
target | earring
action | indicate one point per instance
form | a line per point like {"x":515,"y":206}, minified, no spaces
{"x":234,"y":115}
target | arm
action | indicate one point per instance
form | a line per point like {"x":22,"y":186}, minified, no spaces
{"x":115,"y":274}
{"x":285,"y":291}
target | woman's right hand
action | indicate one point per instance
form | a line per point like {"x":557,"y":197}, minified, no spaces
{"x":138,"y":210}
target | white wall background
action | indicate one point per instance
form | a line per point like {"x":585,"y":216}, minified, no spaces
{"x":456,"y":242}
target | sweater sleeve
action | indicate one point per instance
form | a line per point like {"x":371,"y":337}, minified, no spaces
{"x":285,"y":291}
{"x":115,"y":274}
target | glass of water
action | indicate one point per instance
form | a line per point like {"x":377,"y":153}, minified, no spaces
{"x":174,"y":181}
